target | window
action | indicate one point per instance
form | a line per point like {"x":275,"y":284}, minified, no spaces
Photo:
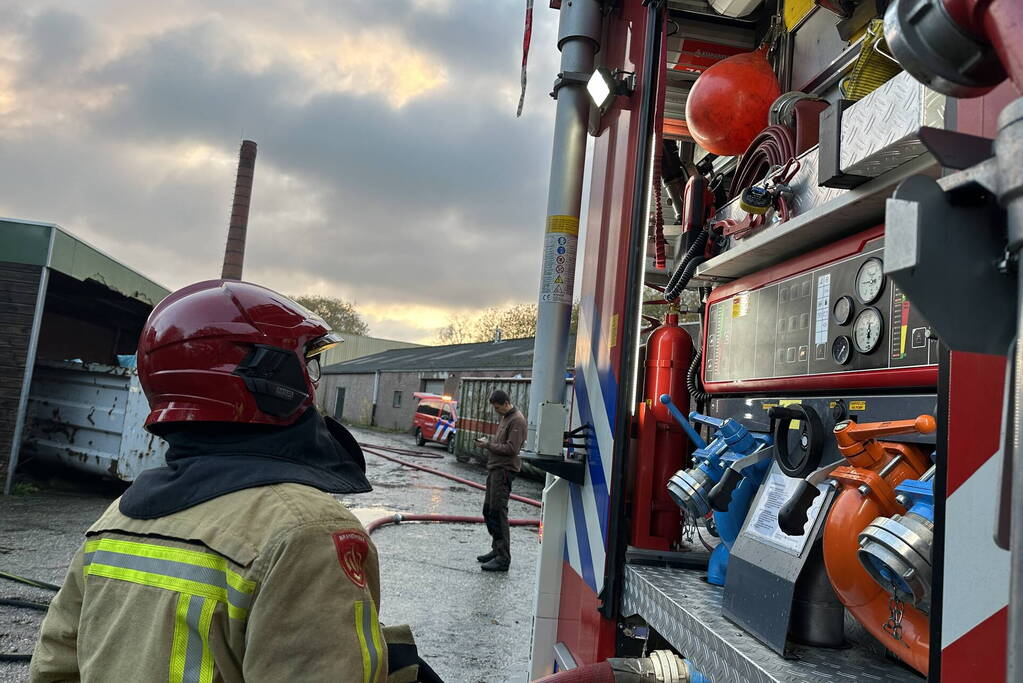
{"x":431,"y":386}
{"x":396,"y":403}
{"x":426,"y":408}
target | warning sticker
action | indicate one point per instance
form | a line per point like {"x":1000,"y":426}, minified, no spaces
{"x":740,"y":305}
{"x":763,"y":519}
{"x":558,"y":276}
{"x":564,"y":224}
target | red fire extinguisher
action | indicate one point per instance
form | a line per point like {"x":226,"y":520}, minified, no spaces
{"x":662,"y":448}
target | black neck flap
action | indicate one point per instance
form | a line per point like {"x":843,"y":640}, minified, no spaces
{"x":209,"y":461}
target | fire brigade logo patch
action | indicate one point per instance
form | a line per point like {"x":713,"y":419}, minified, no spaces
{"x":352,"y":549}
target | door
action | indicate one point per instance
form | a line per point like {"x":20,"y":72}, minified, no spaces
{"x":339,"y":403}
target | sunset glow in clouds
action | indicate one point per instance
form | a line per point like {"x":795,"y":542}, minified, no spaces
{"x":391,"y":169}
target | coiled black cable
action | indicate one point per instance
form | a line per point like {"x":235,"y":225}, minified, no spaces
{"x":696,"y":392}
{"x":687,"y":266}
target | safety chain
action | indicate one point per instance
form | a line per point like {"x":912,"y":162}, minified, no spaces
{"x":688,"y":527}
{"x":896,"y":608}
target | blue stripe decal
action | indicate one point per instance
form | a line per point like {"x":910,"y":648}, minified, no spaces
{"x":601,"y":493}
{"x":609,"y":389}
{"x":585,"y":558}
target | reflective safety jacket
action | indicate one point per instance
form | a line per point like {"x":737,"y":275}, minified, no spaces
{"x":276,"y":583}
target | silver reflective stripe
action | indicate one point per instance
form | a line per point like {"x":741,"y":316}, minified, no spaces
{"x":369,"y":627}
{"x":177,"y":570}
{"x":193,"y":653}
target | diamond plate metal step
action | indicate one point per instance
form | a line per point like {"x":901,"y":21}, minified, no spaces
{"x":686,"y":610}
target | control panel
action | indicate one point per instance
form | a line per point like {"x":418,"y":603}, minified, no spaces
{"x":827,"y":319}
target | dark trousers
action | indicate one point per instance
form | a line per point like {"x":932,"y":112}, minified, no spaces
{"x":495,"y":511}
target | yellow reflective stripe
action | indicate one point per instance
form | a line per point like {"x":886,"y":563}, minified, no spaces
{"x":366,"y":667}
{"x":158,"y":581}
{"x":179,"y":646}
{"x":375,"y":626}
{"x":205,"y":621}
{"x":161,"y":552}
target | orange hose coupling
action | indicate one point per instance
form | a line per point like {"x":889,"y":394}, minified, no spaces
{"x":866,"y":491}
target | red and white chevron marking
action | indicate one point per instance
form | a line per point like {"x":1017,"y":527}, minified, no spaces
{"x":976,"y":571}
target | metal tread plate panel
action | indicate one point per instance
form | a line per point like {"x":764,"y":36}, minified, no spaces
{"x":840,"y":213}
{"x":686,"y":610}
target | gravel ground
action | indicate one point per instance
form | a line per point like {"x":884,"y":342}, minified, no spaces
{"x":470,"y":625}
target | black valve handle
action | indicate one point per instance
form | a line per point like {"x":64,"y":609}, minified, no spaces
{"x":793,"y":514}
{"x":809,"y":457}
{"x":721,"y":495}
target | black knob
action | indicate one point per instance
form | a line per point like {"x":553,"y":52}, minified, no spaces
{"x":807,"y":457}
{"x":721,"y":494}
{"x":793,"y":514}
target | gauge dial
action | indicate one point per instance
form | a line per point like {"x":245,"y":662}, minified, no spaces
{"x":841,"y":350}
{"x":870,"y":280}
{"x":842,"y":311}
{"x":867,"y":330}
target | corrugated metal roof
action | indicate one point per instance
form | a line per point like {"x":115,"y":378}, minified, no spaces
{"x":357,"y":346}
{"x":511,"y":354}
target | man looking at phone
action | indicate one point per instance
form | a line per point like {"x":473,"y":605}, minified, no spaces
{"x":502,"y":464}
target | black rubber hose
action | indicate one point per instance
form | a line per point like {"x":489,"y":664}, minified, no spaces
{"x":35,"y":583}
{"x":14,"y":657}
{"x":27,"y":604}
{"x":696,"y":391}
{"x":696,"y":250}
{"x":687,"y":274}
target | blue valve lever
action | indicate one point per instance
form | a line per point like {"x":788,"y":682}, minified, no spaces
{"x":724,"y":477}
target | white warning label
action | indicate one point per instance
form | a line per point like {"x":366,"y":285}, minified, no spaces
{"x":558,"y":277}
{"x":762,"y":521}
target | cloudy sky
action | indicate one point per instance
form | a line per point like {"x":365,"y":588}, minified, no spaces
{"x":391,"y":169}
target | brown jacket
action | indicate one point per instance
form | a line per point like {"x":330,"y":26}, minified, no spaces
{"x":276,"y":583}
{"x":505,"y":445}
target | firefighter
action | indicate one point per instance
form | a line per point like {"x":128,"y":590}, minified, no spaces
{"x":232,"y":562}
{"x":502,"y":464}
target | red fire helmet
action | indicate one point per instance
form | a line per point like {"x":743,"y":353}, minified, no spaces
{"x":230,"y":351}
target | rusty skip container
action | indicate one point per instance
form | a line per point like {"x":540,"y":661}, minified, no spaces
{"x":89,"y":417}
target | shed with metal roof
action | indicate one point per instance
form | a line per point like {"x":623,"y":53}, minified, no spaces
{"x":60,"y":299}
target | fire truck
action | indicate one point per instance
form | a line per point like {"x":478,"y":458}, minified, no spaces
{"x":819,"y":485}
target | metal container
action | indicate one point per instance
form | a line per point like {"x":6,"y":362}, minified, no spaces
{"x":476,"y":417}
{"x":89,"y":417}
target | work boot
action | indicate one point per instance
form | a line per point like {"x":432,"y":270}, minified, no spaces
{"x":486,"y":557}
{"x":496,"y":565}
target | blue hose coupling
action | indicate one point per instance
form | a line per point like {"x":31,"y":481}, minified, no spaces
{"x":896,"y":550}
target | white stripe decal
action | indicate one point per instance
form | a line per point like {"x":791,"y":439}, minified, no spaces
{"x":977,"y":572}
{"x":597,"y":551}
{"x":601,"y":425}
{"x":572,"y":541}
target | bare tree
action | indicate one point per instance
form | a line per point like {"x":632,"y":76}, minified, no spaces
{"x":517,"y":321}
{"x":338,"y":313}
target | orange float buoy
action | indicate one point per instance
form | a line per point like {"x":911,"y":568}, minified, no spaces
{"x":730,"y":101}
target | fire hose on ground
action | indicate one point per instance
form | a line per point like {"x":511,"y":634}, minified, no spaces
{"x":373,"y":449}
{"x":370,"y":528}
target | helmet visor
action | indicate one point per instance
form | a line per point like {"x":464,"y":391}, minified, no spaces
{"x":312,"y":366}
{"x":321,"y":344}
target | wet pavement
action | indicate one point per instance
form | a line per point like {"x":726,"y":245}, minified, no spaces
{"x":469,"y":625}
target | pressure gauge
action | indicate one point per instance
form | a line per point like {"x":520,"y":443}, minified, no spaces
{"x":870,"y":280}
{"x":867,"y":330}
{"x":843,"y":309}
{"x":841,"y":350}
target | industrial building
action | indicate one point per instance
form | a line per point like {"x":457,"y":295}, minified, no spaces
{"x":377,"y":390}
